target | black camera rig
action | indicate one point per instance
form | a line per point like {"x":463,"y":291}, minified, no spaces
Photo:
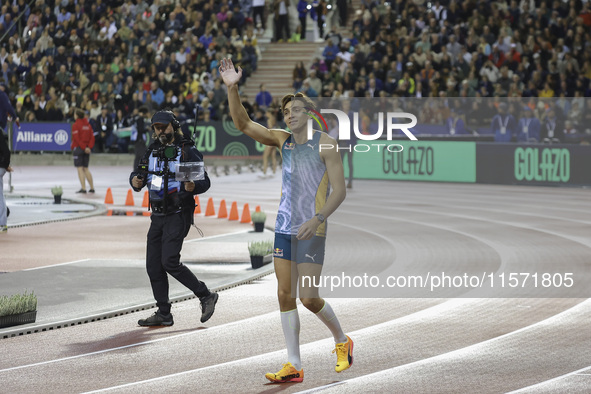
{"x":164,"y":154}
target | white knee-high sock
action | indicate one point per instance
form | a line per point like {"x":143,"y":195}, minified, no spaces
{"x":290,"y":321}
{"x":327,"y":316}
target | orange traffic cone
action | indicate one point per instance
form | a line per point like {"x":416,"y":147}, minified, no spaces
{"x":109,"y":196}
{"x":210,"y":210}
{"x":245,"y":214}
{"x":146,"y":202}
{"x":197,"y":205}
{"x":223,"y":212}
{"x":129,"y":199}
{"x":258,"y":208}
{"x":234,"y":212}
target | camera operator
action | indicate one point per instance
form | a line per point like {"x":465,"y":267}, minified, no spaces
{"x":172,"y":215}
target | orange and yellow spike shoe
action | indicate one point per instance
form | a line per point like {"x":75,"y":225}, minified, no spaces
{"x":288,"y":374}
{"x":344,"y":355}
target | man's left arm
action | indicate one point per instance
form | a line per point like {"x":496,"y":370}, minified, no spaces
{"x":336,"y":178}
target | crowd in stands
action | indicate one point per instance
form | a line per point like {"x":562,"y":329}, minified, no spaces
{"x":460,"y":49}
{"x":115,"y":56}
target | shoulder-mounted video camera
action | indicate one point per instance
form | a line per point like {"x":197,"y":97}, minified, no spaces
{"x":166,"y":152}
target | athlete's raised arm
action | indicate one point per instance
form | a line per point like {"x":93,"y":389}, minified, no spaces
{"x":241,"y":119}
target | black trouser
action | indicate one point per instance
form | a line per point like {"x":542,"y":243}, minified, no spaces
{"x":282,"y":28}
{"x":303,"y":24}
{"x":343,"y":11}
{"x":260,"y":11}
{"x":165,"y":240}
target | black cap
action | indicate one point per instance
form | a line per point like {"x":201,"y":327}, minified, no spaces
{"x":164,"y":117}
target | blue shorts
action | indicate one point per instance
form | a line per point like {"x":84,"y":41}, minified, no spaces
{"x":304,"y":251}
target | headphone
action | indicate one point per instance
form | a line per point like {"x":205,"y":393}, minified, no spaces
{"x":166,"y":116}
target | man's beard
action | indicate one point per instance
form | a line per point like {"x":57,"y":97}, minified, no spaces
{"x":165,"y":138}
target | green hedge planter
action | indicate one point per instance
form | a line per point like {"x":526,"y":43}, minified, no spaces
{"x":16,"y":320}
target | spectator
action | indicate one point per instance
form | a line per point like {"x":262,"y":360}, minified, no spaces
{"x":503,"y":125}
{"x":263,"y":97}
{"x":571,"y":134}
{"x":251,"y":54}
{"x":321,"y":11}
{"x":258,"y":10}
{"x":54,"y":114}
{"x":528,"y":129}
{"x":82,"y":143}
{"x":299,"y":74}
{"x":406,"y":86}
{"x":280,"y":8}
{"x":455,"y":123}
{"x":552,"y":127}
{"x":547,"y":92}
{"x":120,"y":122}
{"x":302,"y":8}
{"x":270,"y":151}
{"x":156,"y":93}
{"x":330,"y":52}
{"x":103,"y":132}
{"x":307,"y":90}
{"x":314,"y":82}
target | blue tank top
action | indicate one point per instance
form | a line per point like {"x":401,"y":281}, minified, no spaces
{"x":305,"y":187}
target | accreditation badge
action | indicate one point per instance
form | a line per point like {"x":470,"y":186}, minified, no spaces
{"x":156,"y":182}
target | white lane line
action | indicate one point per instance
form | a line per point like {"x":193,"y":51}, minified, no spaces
{"x":416,"y":315}
{"x":318,"y":389}
{"x":189,"y":241}
{"x":457,"y":352}
{"x":549,"y":381}
{"x":216,"y":236}
{"x":314,"y":345}
{"x":55,"y":265}
{"x":133,"y":344}
{"x":514,"y":200}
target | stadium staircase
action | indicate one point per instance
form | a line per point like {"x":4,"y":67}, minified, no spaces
{"x":276,"y":68}
{"x":279,"y":59}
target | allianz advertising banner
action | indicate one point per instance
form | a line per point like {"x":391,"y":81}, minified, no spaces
{"x":42,"y":137}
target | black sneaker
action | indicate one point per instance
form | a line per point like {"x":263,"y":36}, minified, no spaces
{"x":83,"y":191}
{"x":91,"y":191}
{"x":157,"y":319}
{"x":208,"y":306}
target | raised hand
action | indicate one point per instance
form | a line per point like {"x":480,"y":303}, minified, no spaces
{"x":228,"y":73}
